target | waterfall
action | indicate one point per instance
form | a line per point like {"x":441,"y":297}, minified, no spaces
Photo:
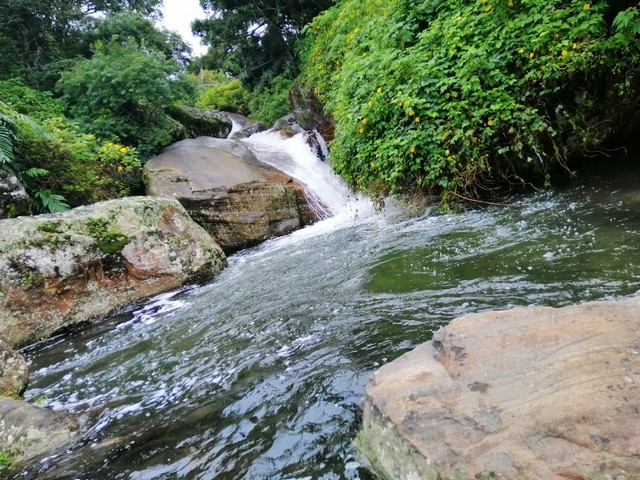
{"x":328,"y":194}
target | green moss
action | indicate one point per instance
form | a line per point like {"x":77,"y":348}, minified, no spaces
{"x":6,"y":459}
{"x":50,"y":227}
{"x":108,"y":240}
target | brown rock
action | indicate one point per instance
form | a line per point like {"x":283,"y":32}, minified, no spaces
{"x":14,"y":374}
{"x":59,"y":270}
{"x":533,"y":393}
{"x":240,"y":201}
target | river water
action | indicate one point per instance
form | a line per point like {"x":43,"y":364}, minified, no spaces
{"x":260,"y":373}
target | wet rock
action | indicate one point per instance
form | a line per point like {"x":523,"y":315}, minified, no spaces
{"x":202,"y":122}
{"x":536,"y":393}
{"x":240,"y":201}
{"x":14,"y":200}
{"x":27,"y":431}
{"x":309,"y":112}
{"x":63,"y":269}
{"x":243,"y":127}
{"x":14,"y":373}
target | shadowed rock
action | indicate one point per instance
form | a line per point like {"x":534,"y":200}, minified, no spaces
{"x":240,"y":201}
{"x":536,"y":393}
{"x":14,"y":200}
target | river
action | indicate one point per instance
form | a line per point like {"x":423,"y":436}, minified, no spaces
{"x":260,"y":373}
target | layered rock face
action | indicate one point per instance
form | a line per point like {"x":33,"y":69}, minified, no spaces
{"x":535,"y":393}
{"x":62,"y":269}
{"x":240,"y":201}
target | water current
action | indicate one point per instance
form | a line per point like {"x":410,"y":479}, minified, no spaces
{"x":260,"y":373}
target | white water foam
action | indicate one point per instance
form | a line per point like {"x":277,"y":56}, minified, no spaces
{"x":295,"y":158}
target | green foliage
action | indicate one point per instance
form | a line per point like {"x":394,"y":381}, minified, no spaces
{"x":56,"y":161}
{"x":230,"y":96}
{"x":444,"y":95}
{"x":123,"y":92}
{"x":5,"y":460}
{"x":270,"y":103}
{"x":254,"y":40}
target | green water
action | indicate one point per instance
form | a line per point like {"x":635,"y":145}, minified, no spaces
{"x":260,"y":374}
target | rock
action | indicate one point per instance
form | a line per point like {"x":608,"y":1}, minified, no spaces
{"x":62,"y":269}
{"x":536,"y":393}
{"x":202,"y":122}
{"x":27,"y":431}
{"x":309,"y":112}
{"x":242,"y":127}
{"x":240,"y":201}
{"x":14,"y":373}
{"x":14,"y":200}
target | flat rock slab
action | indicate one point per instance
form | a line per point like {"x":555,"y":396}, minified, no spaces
{"x":528,"y":393}
{"x":240,"y":201}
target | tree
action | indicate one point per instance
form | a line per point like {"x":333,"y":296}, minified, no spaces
{"x":259,"y":35}
{"x":124,"y":91}
{"x":35,"y":35}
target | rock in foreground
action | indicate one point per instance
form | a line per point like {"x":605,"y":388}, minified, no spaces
{"x":240,"y":201}
{"x":62,"y":269}
{"x":535,"y":393}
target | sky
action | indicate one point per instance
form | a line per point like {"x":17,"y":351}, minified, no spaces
{"x":178,"y":15}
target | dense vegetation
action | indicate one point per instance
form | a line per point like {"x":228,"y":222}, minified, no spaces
{"x":454,"y":94}
{"x":444,"y":96}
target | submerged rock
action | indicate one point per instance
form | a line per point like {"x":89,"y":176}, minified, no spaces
{"x":240,"y":201}
{"x":536,"y":393}
{"x":62,"y":269}
{"x":27,"y":431}
{"x":14,"y":200}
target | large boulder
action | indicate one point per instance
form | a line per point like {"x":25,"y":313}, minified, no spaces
{"x":62,"y":269}
{"x":14,"y":200}
{"x":536,"y":393}
{"x":27,"y":431}
{"x":240,"y":201}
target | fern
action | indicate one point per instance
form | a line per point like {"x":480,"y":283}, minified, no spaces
{"x":50,"y":202}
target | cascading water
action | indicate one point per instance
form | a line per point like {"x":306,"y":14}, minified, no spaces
{"x":260,"y":373}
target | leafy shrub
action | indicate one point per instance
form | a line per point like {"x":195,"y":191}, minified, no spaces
{"x":270,"y":103}
{"x":230,"y":96}
{"x":56,"y":161}
{"x":123,"y":93}
{"x":446,"y":94}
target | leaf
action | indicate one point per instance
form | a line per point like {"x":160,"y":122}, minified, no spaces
{"x":52,"y":202}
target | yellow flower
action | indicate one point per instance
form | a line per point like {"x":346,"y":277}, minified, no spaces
{"x":364,"y":121}
{"x":370,"y":103}
{"x":490,"y":122}
{"x":575,"y":46}
{"x":447,"y":152}
{"x":417,"y":120}
{"x":521,"y":50}
{"x":90,"y":136}
{"x":120,"y":168}
{"x":357,"y":30}
{"x":488,"y":8}
{"x":379,"y":90}
{"x":532,"y":54}
{"x":123,"y":150}
{"x":564,"y":52}
{"x":586,"y":6}
{"x":372,"y":165}
{"x":115,"y":145}
{"x":510,"y":4}
{"x":361,"y":130}
{"x":411,"y":113}
{"x":412,"y":150}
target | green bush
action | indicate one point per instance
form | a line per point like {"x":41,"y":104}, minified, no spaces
{"x":269,"y":104}
{"x":124,"y":92}
{"x":448,"y":94}
{"x":55,"y":159}
{"x":230,"y":96}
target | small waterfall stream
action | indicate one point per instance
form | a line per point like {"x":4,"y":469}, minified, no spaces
{"x":260,"y":373}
